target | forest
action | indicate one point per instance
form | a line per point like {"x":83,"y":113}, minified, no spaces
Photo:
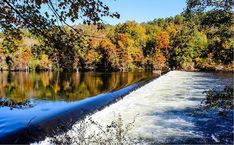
{"x":190,"y":41}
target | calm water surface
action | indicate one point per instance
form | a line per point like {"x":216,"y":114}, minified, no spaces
{"x":55,"y":86}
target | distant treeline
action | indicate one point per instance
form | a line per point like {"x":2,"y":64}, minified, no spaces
{"x":185,"y":42}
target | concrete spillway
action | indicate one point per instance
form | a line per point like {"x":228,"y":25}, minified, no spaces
{"x":164,"y":110}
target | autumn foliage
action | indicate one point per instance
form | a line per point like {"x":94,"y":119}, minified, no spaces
{"x":171,"y":43}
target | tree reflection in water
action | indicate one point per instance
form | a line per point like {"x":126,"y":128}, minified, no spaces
{"x":19,"y":87}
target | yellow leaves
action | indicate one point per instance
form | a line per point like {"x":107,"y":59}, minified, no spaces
{"x":107,"y":44}
{"x":228,"y":44}
{"x":94,"y":43}
{"x":22,"y":58}
{"x":26,"y":56}
{"x":122,"y":40}
{"x":93,"y":56}
{"x":137,"y":54}
{"x":172,"y":31}
{"x":45,"y":62}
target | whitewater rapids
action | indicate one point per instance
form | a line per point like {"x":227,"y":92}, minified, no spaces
{"x":163,"y":108}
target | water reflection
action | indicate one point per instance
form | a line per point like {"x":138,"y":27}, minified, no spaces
{"x":20,"y":86}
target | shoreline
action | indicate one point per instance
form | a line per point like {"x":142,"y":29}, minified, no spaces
{"x":110,"y":71}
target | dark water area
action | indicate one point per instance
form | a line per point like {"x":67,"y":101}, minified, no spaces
{"x":31,"y":101}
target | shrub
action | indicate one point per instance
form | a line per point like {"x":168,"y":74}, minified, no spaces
{"x":90,"y":132}
{"x":221,"y":100}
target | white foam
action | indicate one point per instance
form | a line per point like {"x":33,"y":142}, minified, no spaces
{"x":154,"y":104}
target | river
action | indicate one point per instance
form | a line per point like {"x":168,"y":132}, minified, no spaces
{"x":164,"y":111}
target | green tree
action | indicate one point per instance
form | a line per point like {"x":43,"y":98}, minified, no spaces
{"x":218,"y":22}
{"x":189,"y":45}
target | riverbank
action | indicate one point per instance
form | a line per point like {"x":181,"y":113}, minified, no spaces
{"x":209,"y":67}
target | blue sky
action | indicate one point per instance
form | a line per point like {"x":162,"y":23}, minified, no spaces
{"x":144,"y":10}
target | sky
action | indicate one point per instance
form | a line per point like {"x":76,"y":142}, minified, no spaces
{"x":143,"y":10}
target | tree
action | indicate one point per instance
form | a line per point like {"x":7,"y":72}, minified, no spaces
{"x":10,"y":45}
{"x":163,"y":40}
{"x":47,"y":19}
{"x":219,"y":23}
{"x":131,"y":39}
{"x":161,"y":49}
{"x":202,"y":5}
{"x":134,"y":31}
{"x":43,"y":14}
{"x":188,"y":45}
{"x":111,"y":57}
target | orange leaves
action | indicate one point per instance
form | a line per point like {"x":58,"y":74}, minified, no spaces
{"x":160,"y":60}
{"x":105,"y":43}
{"x":162,"y":46}
{"x":123,"y":40}
{"x":137,"y":54}
{"x":108,"y":46}
{"x":163,"y":40}
{"x":110,"y":53}
{"x":25,"y":56}
{"x":94,"y":43}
